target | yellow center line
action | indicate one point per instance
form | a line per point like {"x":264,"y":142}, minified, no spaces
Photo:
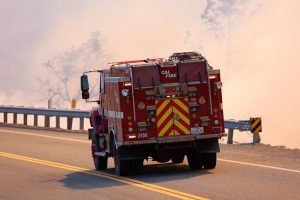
{"x":45,"y":136}
{"x":129,"y":181}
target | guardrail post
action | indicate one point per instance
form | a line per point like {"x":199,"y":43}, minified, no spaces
{"x":256,"y":138}
{"x":69,"y":123}
{"x":81,"y":123}
{"x":230,"y":136}
{"x":25,"y":119}
{"x":15,"y":118}
{"x":47,"y":121}
{"x":57,"y":121}
{"x":35,"y":120}
{"x":5,"y":118}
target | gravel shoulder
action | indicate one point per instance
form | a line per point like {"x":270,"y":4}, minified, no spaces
{"x":277,"y":156}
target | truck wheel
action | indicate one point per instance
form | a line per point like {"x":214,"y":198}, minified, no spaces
{"x":122,"y":167}
{"x":100,"y":162}
{"x":177,"y":158}
{"x":137,"y":166}
{"x":195,"y":160}
{"x":210,"y":160}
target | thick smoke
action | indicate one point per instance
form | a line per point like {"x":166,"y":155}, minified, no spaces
{"x":223,"y":18}
{"x":60,"y":75}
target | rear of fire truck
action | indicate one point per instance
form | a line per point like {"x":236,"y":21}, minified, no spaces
{"x":160,"y":109}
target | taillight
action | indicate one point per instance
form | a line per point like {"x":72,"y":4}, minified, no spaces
{"x":133,"y":136}
{"x":216,"y":116}
{"x":130,"y":124}
{"x":127,"y":84}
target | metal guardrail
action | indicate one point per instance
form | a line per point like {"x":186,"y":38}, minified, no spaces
{"x":58,"y":113}
{"x":45,"y":111}
{"x":242,"y":125}
{"x":231,"y":125}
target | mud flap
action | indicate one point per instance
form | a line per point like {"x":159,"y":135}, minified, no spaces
{"x":207,"y":146}
{"x":90,"y":133}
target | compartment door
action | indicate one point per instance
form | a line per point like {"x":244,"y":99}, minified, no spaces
{"x":172,"y":117}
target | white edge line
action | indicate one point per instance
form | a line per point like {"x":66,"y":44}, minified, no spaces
{"x":258,"y":165}
{"x":224,"y":160}
{"x":45,"y":136}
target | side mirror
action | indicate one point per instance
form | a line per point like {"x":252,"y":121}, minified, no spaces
{"x":85,"y":87}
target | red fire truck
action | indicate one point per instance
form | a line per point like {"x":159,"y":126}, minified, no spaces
{"x":159,"y":109}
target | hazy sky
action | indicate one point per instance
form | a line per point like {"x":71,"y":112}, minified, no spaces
{"x":262,"y":79}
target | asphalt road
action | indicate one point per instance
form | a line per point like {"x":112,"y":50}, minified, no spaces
{"x":37,"y":164}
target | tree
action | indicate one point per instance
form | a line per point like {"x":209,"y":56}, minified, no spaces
{"x":223,"y":17}
{"x":59,"y":79}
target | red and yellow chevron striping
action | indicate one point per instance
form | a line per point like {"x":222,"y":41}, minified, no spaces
{"x":182,"y":123}
{"x":172,"y":117}
{"x":164,"y":115}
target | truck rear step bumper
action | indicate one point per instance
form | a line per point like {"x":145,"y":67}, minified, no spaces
{"x":172,"y":139}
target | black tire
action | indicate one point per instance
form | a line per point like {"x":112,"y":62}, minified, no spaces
{"x":210,"y":160}
{"x":178,"y":158}
{"x":100,"y":162}
{"x":195,"y":160}
{"x":122,"y":167}
{"x":137,"y":166}
{"x":95,"y":146}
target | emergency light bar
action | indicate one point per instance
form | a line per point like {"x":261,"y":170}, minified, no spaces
{"x":136,"y":61}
